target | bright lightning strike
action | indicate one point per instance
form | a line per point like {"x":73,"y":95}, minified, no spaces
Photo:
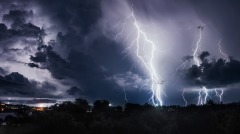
{"x":220,"y":50}
{"x":186,"y":103}
{"x":219,"y":94}
{"x":195,"y":53}
{"x":202,"y":100}
{"x":202,"y":96}
{"x":225,"y":58}
{"x":125,"y":95}
{"x":203,"y":93}
{"x":182,"y":66}
{"x":147,"y":59}
{"x":206,"y":94}
{"x":196,"y":62}
{"x":156,"y":97}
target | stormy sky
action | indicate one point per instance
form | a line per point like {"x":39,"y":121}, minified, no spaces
{"x":53,"y":50}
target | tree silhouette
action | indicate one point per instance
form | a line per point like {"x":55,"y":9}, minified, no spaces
{"x":82,"y":105}
{"x":100,"y":106}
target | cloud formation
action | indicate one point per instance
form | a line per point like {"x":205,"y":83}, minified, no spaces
{"x":213,"y":74}
{"x":66,"y":48}
{"x":15,"y":84}
{"x":129,"y":80}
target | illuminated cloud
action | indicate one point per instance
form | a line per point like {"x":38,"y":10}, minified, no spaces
{"x":80,"y":48}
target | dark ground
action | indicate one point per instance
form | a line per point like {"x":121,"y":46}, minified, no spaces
{"x":79,"y":118}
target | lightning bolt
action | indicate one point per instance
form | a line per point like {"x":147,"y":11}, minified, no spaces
{"x":202,"y":100}
{"x":206,"y":94}
{"x":225,"y":58}
{"x":125,"y":95}
{"x":186,"y":103}
{"x":199,"y":98}
{"x":202,"y":96}
{"x":220,"y":50}
{"x":219,"y":94}
{"x":203,"y":93}
{"x":195,"y":53}
{"x":147,"y":60}
{"x":197,"y":62}
{"x":156,"y":91}
{"x":182,"y":66}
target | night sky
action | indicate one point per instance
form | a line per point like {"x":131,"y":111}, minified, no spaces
{"x":56,"y":50}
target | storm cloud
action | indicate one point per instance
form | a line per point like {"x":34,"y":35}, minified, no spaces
{"x":69,"y":48}
{"x":18,"y":85}
{"x":213,"y":74}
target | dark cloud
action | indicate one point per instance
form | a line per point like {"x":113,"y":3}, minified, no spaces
{"x":17,"y":18}
{"x":203,"y":55}
{"x":15,"y":4}
{"x":72,"y":40}
{"x":30,"y":30}
{"x":4,"y":33}
{"x":15,"y":84}
{"x":2,"y":71}
{"x":3,"y":28}
{"x":187,"y":58}
{"x":217,"y":73}
{"x":79,"y":67}
{"x":49,"y":59}
{"x":15,"y":15}
{"x":75,"y":91}
{"x":83,"y":69}
{"x":73,"y":14}
{"x":39,"y":57}
{"x":20,"y":27}
{"x":24,"y":30}
{"x":33,"y":65}
{"x":16,"y":78}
